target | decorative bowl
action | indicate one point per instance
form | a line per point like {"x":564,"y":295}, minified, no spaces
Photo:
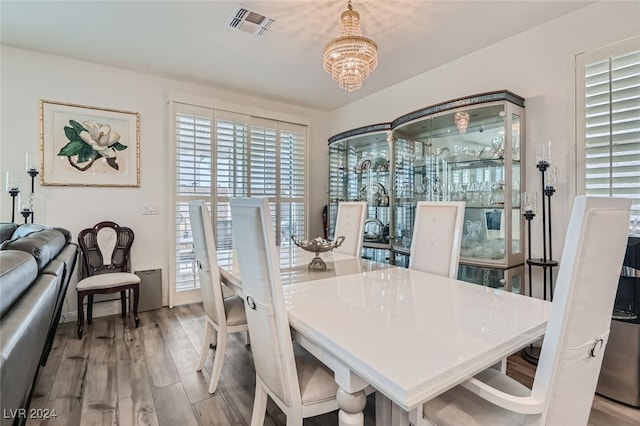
{"x":317,"y":245}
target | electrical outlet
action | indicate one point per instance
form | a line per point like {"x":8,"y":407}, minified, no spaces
{"x":150,"y":209}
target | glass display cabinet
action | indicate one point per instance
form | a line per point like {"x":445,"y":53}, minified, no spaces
{"x":468,"y":149}
{"x":361,"y":170}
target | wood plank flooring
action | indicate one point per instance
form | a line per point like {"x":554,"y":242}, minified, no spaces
{"x":119,"y":375}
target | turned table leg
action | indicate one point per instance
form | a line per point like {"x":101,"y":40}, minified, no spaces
{"x":351,"y":407}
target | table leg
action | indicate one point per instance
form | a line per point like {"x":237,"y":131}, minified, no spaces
{"x":383,"y":410}
{"x":351,"y":407}
{"x":388,"y":413}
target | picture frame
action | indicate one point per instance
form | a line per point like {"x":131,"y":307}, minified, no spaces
{"x":88,"y":146}
{"x":494,"y":224}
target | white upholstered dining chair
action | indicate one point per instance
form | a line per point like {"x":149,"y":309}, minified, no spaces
{"x":298,"y":383}
{"x":223,"y":315}
{"x":350,"y":225}
{"x":437,"y":235}
{"x":575,"y":340}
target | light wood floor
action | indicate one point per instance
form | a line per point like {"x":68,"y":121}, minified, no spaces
{"x":120,"y":375}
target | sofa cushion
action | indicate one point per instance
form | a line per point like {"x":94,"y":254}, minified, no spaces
{"x":22,"y":338}
{"x":7,"y":230}
{"x":17,"y":271}
{"x":43,"y":244}
{"x":26,"y":229}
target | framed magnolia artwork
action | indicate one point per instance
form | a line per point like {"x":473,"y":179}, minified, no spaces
{"x":88,"y":146}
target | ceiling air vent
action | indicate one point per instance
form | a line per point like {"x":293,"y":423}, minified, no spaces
{"x":249,"y":21}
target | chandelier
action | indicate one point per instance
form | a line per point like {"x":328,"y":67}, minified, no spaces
{"x":462,"y":121}
{"x":351,"y":57}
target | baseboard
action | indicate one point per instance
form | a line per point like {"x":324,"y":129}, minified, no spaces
{"x":100,"y":309}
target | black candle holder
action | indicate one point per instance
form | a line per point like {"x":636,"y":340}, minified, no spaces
{"x":33,"y":173}
{"x":25,"y":214}
{"x":14,"y":193}
{"x":529,"y":215}
{"x":532,"y":354}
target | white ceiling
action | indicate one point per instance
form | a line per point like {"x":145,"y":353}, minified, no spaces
{"x":189,"y":40}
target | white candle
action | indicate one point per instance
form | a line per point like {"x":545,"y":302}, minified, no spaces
{"x":29,"y":161}
{"x":10,"y":185}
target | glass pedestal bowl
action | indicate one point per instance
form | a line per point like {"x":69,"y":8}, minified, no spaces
{"x":317,"y":245}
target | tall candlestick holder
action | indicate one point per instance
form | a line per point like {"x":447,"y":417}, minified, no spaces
{"x":14,"y":193}
{"x":33,"y":173}
{"x":11,"y":185}
{"x":532,"y":354}
{"x":546,"y":262}
{"x":529,"y":204}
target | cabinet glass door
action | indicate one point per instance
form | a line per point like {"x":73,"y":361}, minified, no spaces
{"x":361,"y":170}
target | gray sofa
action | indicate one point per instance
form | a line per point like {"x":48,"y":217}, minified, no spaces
{"x":36,"y":264}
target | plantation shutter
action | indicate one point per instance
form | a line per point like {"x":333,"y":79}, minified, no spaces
{"x":193,"y":164}
{"x":220,"y":155}
{"x":611,"y":122}
{"x":292,"y":180}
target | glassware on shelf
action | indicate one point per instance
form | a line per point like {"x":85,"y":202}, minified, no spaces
{"x":497,"y":145}
{"x":497,"y":195}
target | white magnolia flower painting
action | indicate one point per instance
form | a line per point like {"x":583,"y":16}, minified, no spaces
{"x":89,"y":146}
{"x":91,"y":141}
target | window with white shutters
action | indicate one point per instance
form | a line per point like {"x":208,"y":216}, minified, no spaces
{"x":238,"y":155}
{"x":609,"y":124}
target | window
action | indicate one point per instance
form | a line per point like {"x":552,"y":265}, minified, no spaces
{"x":220,"y":155}
{"x":608,"y":119}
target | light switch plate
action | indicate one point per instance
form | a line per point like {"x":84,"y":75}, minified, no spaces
{"x":150,"y":209}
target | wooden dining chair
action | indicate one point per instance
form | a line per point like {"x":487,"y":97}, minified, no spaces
{"x":437,"y":235}
{"x":350,"y":225}
{"x":223,"y":315}
{"x":298,"y":383}
{"x":105,"y":268}
{"x":575,"y":340}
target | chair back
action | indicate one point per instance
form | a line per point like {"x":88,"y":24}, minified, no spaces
{"x":350,"y":225}
{"x":437,"y":235}
{"x":105,"y":248}
{"x":267,"y":318}
{"x":206,"y":258}
{"x":580,"y":317}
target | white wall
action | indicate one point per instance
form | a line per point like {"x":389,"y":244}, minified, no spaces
{"x":537,"y":65}
{"x":27,"y":77}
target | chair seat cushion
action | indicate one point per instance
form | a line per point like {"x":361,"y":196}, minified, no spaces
{"x":234,"y":308}
{"x":317,"y":383}
{"x":462,"y":407}
{"x":102,"y":281}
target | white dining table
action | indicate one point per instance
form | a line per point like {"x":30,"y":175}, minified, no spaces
{"x":408,"y":334}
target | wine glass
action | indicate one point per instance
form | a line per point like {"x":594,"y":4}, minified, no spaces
{"x":496,"y":144}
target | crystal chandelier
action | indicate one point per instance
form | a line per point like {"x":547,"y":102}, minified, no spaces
{"x":350,"y":58}
{"x":462,"y":121}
